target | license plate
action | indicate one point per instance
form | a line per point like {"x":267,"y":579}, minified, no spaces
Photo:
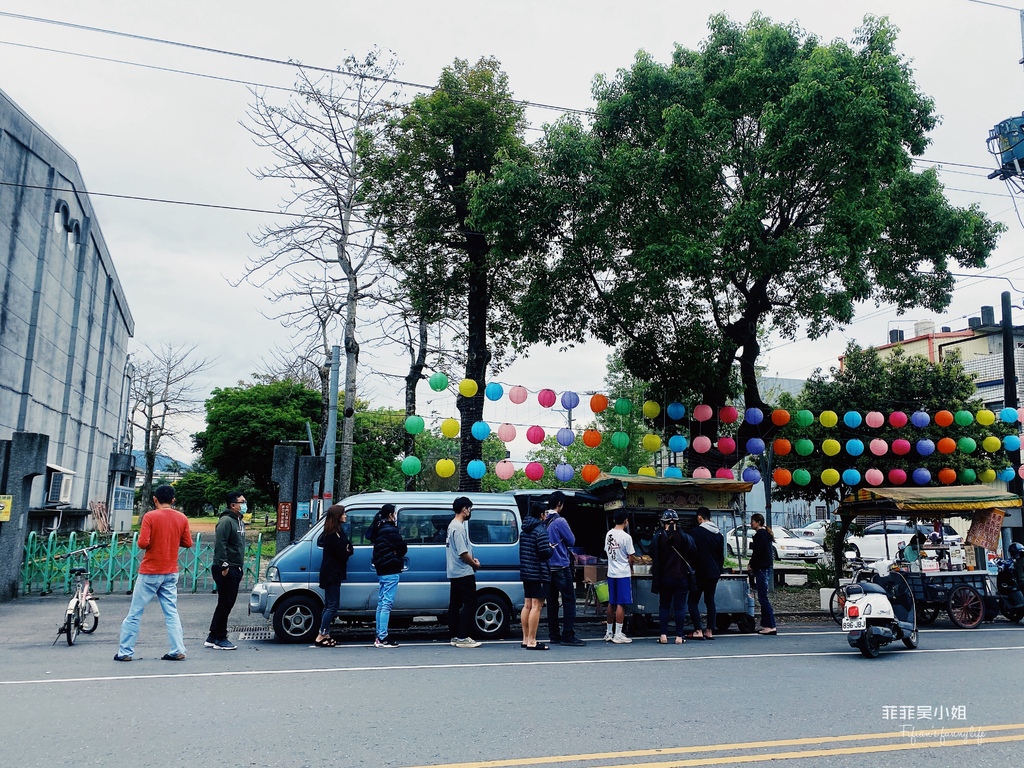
{"x":851,"y":624}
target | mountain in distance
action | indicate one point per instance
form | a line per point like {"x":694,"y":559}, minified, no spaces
{"x":164,"y":464}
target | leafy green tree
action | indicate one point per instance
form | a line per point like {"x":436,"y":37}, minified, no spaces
{"x":197,"y":489}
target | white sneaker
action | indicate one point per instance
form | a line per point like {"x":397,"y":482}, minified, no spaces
{"x":608,"y":637}
{"x":467,"y":642}
{"x":621,"y":638}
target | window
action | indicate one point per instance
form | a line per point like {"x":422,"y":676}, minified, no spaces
{"x":493,"y":526}
{"x":424,"y":526}
{"x":359,"y":525}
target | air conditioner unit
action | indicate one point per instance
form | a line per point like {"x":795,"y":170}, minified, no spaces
{"x":60,"y":488}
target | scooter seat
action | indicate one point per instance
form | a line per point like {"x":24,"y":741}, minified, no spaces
{"x":871,"y":587}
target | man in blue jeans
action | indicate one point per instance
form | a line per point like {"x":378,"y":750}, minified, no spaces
{"x":563,"y":583}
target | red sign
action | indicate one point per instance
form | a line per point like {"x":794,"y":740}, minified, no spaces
{"x":284,"y":516}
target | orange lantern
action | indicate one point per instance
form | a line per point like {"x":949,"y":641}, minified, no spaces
{"x":781,"y":446}
{"x":598,"y":403}
{"x":943,"y":418}
{"x":947,"y":476}
{"x":946,"y":445}
{"x":782,"y":476}
{"x":780,"y":417}
{"x":589,"y":472}
{"x":591,"y":438}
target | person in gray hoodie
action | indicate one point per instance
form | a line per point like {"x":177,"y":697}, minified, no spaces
{"x":708,"y":566}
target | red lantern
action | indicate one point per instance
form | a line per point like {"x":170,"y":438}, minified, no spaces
{"x":546,"y":397}
{"x":591,"y":439}
{"x":534,"y":471}
{"x":535,"y":434}
{"x":589,"y":473}
{"x":727,"y":415}
{"x":724,"y":473}
{"x":726,"y":445}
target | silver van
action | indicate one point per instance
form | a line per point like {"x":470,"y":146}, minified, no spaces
{"x":291,"y":594}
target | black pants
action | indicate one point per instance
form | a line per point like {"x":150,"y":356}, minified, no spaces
{"x":461,"y":606}
{"x":706,"y":587}
{"x":562,"y":585}
{"x":227,"y":591}
{"x":672,"y":600}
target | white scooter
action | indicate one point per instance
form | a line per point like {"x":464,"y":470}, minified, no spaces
{"x":878,"y":608}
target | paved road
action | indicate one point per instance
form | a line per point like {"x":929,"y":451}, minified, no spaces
{"x":802,"y":696}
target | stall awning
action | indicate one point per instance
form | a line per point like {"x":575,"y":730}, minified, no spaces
{"x":648,"y":483}
{"x":962,"y":498}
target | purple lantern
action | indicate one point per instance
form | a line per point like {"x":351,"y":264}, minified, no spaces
{"x":570,"y":400}
{"x":751,"y":475}
{"x":564,"y":472}
{"x":922,"y":476}
{"x":565,"y":437}
{"x":920,"y":419}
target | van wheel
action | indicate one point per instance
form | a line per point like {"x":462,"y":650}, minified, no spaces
{"x":297,"y":619}
{"x":492,"y":619}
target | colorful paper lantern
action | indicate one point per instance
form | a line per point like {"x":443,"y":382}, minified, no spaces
{"x":673,"y":472}
{"x":438,"y":382}
{"x":724,"y":473}
{"x":676,"y":411}
{"x":726,"y":445}
{"x":804,"y":447}
{"x":546,"y":398}
{"x":589,"y":472}
{"x":651,"y":442}
{"x":476,"y":469}
{"x":623,"y":407}
{"x":564,"y":472}
{"x":985,"y":417}
{"x":967,"y":445}
{"x":878,"y":447}
{"x":481,"y":430}
{"x":781,"y":446}
{"x":780,"y":417}
{"x":1020,"y":471}
{"x":506,"y":433}
{"x":534,"y":471}
{"x":1011,"y":443}
{"x":989,"y":475}
{"x":802,"y":477}
{"x":504,"y":469}
{"x":702,"y":444}
{"x":494,"y":391}
{"x":591,"y":438}
{"x":901,"y":447}
{"x":518,"y":394}
{"x":897,"y":476}
{"x":450,"y":428}
{"x":828,"y":419}
{"x":898,"y":419}
{"x":755,"y":446}
{"x":618,"y":469}
{"x":963,"y":418}
{"x":830,"y":477}
{"x":852,"y":419}
{"x":677,"y":443}
{"x":702,"y":473}
{"x":920,"y":419}
{"x":647,"y":472}
{"x":991,"y":444}
{"x":943,"y":418}
{"x":570,"y":400}
{"x":1004,"y":475}
{"x":855,"y":447}
{"x":874,"y":477}
{"x":1008,"y":416}
{"x":444,"y":468}
{"x":946,"y":445}
{"x":651,"y":409}
{"x":411,"y":466}
{"x":565,"y":437}
{"x":804,"y":418}
{"x":874,"y":419}
{"x":946,"y":476}
{"x":598,"y":403}
{"x":702,"y":413}
{"x":967,"y":475}
{"x":851,"y":477}
{"x":921,"y":476}
{"x":751,"y":475}
{"x":468,"y":388}
{"x":753,"y":416}
{"x":782,"y":476}
{"x":535,"y":434}
{"x":925,"y":447}
{"x":831,"y":447}
{"x":620,"y":440}
{"x":414,"y":424}
{"x":727,"y":414}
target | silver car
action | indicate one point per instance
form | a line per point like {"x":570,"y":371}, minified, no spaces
{"x":872,"y":544}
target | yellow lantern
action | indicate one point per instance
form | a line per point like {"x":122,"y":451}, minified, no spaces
{"x":987,"y":475}
{"x":991,"y":443}
{"x":450,"y":427}
{"x":985,"y":417}
{"x":828,"y":419}
{"x":651,"y":442}
{"x":444,"y":467}
{"x":647,"y":471}
{"x":468,"y":388}
{"x":830,"y":447}
{"x":651,"y":409}
{"x":830,"y":477}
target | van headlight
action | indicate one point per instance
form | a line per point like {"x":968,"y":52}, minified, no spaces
{"x":273,"y":574}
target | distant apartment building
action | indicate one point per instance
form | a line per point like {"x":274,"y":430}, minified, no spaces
{"x":64,"y":331}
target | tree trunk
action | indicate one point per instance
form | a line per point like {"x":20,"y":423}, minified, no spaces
{"x":418,"y":353}
{"x":478,"y":357}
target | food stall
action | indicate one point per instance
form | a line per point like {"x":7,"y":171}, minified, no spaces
{"x":645,"y":498}
{"x":943,"y":576}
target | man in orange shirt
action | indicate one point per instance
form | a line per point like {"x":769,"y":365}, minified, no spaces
{"x":164,"y":529}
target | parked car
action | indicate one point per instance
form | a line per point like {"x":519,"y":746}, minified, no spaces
{"x":815,"y":531}
{"x":787,"y":545}
{"x":871,"y":545}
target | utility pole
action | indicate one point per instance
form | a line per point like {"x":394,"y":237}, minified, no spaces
{"x":330,"y":439}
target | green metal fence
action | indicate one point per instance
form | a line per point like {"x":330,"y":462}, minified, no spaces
{"x":115,"y":567}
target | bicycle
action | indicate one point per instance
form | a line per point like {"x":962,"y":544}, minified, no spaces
{"x":82,"y":613}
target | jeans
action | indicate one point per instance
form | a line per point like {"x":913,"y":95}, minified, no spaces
{"x":672,"y":598}
{"x":332,"y":599}
{"x":227,"y":591}
{"x":385,"y":599}
{"x":461,"y":605}
{"x":164,"y":587}
{"x":707,"y":587}
{"x":562,"y":584}
{"x":767,"y":613}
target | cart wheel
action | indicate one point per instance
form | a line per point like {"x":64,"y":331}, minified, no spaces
{"x":965,"y":606}
{"x":745,"y":623}
{"x":722,"y":623}
{"x":927,"y":613}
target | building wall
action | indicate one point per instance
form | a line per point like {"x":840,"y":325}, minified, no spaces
{"x":64,"y":321}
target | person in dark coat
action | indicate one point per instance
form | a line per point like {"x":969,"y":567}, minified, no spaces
{"x":672,"y":552}
{"x":389,"y":549}
{"x":333,"y":569}
{"x":534,"y":570}
{"x":760,"y":565}
{"x":707,"y":565}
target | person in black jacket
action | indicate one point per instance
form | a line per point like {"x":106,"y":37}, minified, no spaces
{"x":333,"y":569}
{"x":534,"y":570}
{"x":759,"y":565}
{"x":672,"y":552}
{"x":708,"y":564}
{"x":388,"y":552}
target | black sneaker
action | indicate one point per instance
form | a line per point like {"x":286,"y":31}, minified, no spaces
{"x":574,"y":641}
{"x":119,"y":657}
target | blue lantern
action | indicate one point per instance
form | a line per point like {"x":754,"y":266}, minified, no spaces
{"x":922,"y":476}
{"x":570,"y":400}
{"x":755,"y":445}
{"x":925,"y":447}
{"x":852,"y":419}
{"x":565,"y":437}
{"x":855,"y":447}
{"x":753,"y":416}
{"x":476,"y":468}
{"x":481,"y":430}
{"x":494,"y":391}
{"x":1008,"y":415}
{"x":677,"y":443}
{"x":1011,"y":443}
{"x":920,"y":419}
{"x":751,"y":475}
{"x":1006,"y":474}
{"x":675,"y":472}
{"x":851,"y":476}
{"x":564,"y":472}
{"x":676,"y":411}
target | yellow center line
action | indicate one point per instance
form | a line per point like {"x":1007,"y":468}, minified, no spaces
{"x":747,"y":745}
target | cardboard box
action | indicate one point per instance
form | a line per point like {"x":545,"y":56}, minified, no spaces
{"x":595,"y":573}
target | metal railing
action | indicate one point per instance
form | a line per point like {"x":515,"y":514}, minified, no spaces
{"x":114,"y":568}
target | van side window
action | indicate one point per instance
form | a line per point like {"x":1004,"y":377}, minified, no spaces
{"x":359,"y":525}
{"x":493,"y":526}
{"x":423,"y":526}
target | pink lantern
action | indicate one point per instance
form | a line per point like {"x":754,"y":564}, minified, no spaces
{"x":535,"y":434}
{"x":564,"y":472}
{"x":506,"y":433}
{"x":517,"y":394}
{"x":724,"y":473}
{"x":901,"y":447}
{"x":702,"y":473}
{"x":897,"y":476}
{"x":727,"y":414}
{"x":878,"y":447}
{"x":898,"y":419}
{"x":874,"y":419}
{"x":702,"y":413}
{"x":534,"y":471}
{"x":504,"y":469}
{"x":874,"y":476}
{"x":702,"y":444}
{"x":546,"y":397}
{"x":1020,"y":415}
{"x":726,"y":445}
{"x":1021,"y":470}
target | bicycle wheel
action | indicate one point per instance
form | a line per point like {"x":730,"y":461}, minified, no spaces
{"x":89,"y":618}
{"x":835,"y":606}
{"x":73,"y":624}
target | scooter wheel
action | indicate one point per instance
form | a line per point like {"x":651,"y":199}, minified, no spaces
{"x":868,"y":646}
{"x":911,"y":640}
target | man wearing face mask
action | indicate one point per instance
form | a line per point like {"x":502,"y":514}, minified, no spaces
{"x":228,"y":557}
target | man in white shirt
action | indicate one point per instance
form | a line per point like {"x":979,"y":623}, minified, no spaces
{"x":618,"y":545}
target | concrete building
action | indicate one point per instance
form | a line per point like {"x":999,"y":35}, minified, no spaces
{"x":64,"y":331}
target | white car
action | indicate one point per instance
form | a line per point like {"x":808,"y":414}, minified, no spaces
{"x":815,"y":531}
{"x":871,"y":545}
{"x":787,"y":545}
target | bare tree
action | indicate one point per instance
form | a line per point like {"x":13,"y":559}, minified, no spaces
{"x":328,"y":250}
{"x":163,"y":393}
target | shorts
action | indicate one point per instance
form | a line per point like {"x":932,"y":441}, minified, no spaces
{"x":620,"y":591}
{"x":537,"y":590}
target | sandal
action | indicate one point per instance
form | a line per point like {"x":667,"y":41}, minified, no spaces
{"x":327,"y":642}
{"x":662,"y":642}
{"x":767,"y":631}
{"x":708,"y":636}
{"x":695,"y":636}
{"x":538,"y":647}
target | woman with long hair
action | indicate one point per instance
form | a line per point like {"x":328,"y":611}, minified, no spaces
{"x":333,"y":569}
{"x":388,"y":552}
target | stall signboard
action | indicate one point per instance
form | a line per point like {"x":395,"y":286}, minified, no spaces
{"x":6,"y":502}
{"x":985,"y":529}
{"x":677,"y":498}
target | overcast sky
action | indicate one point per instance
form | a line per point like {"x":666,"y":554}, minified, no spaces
{"x":149,"y":133}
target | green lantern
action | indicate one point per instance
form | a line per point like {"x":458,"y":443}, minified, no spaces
{"x":623,"y":407}
{"x":967,"y":445}
{"x":438,"y":382}
{"x":618,"y":469}
{"x":414,"y":424}
{"x":964,"y":418}
{"x":620,"y":440}
{"x":411,"y":466}
{"x":804,"y":418}
{"x":967,"y":476}
{"x":801,"y":477}
{"x":803,"y":446}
